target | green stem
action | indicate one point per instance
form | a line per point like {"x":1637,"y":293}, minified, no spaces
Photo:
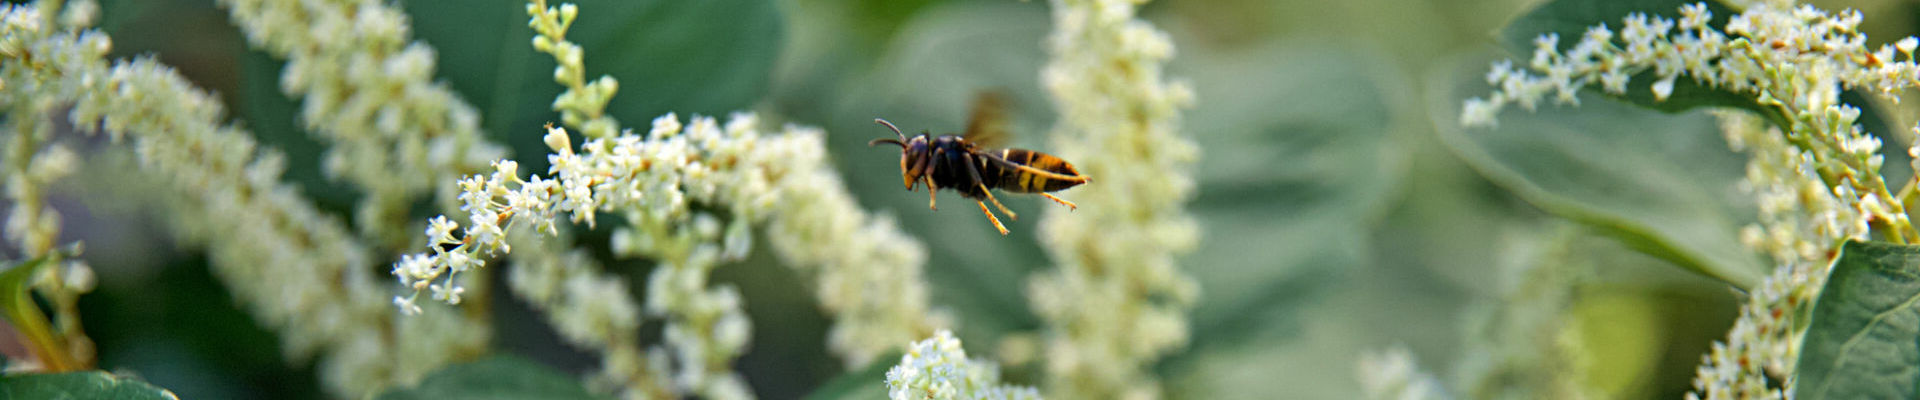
{"x":17,"y":304}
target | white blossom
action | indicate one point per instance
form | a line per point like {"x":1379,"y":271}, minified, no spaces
{"x":296,"y":269}
{"x":1116,"y":253}
{"x":938,"y":369}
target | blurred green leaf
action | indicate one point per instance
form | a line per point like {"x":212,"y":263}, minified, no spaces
{"x":78,"y":385}
{"x":1570,"y":19}
{"x":115,"y":13}
{"x":1289,"y":179}
{"x":498,"y":377}
{"x":1665,"y":184}
{"x":1300,"y":158}
{"x":869,"y":383}
{"x":1860,"y":343}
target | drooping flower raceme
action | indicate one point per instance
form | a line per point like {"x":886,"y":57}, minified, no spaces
{"x":1792,"y":61}
{"x":589,"y":308}
{"x":583,"y":105}
{"x":1117,"y":300}
{"x":938,"y":368}
{"x":1802,"y":220}
{"x":296,"y":269}
{"x":1816,"y":173}
{"x":33,"y":162}
{"x":689,"y":194}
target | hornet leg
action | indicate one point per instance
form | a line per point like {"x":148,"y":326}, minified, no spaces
{"x":996,"y":203}
{"x":990,"y":217}
{"x":1063,"y":202}
{"x":932,"y":194}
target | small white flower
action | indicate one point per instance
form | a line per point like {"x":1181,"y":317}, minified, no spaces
{"x":1694,"y":16}
{"x":1663,"y":87}
{"x":440,"y":230}
{"x":1599,"y":34}
{"x":448,"y":292}
{"x":558,"y":141}
{"x":1478,"y":112}
{"x":665,"y":126}
{"x":406,"y":305}
{"x":505,"y":171}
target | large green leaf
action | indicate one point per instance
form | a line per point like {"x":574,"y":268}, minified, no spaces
{"x":500,"y":377}
{"x":1861,"y":343}
{"x":78,"y":385}
{"x":1663,"y":183}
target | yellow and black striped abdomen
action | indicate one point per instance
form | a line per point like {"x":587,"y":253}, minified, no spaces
{"x":1058,"y":174}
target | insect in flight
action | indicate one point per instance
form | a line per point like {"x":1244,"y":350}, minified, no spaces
{"x":973,"y":165}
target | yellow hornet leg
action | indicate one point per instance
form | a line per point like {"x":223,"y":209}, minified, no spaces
{"x":996,"y":203}
{"x":932,"y":193}
{"x":1063,"y":202}
{"x":990,"y":217}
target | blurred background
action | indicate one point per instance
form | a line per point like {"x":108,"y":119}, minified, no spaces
{"x":1344,"y":211}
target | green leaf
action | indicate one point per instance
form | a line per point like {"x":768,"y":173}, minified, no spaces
{"x":498,"y":377}
{"x":1665,"y":184}
{"x":1861,"y":342}
{"x":1303,"y":151}
{"x":1293,"y":183}
{"x":78,"y":385}
{"x":868,"y":383}
{"x":1570,"y":19}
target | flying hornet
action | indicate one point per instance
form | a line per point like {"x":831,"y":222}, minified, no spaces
{"x":974,"y":165}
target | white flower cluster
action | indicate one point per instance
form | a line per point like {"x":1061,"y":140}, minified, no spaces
{"x":868,"y":273}
{"x":33,"y":162}
{"x":1802,"y":221}
{"x":590,"y":309}
{"x":938,"y":368}
{"x":1816,"y":176}
{"x":1824,"y":49}
{"x":1392,"y":374}
{"x":583,"y":105}
{"x":653,"y":183}
{"x":689,"y":195}
{"x":1118,"y":301}
{"x":369,"y":93}
{"x":1793,"y":60}
{"x":298,"y":270}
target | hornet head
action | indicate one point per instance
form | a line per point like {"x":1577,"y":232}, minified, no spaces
{"x":916,"y":156}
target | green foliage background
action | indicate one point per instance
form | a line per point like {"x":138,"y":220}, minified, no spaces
{"x":1344,"y":211}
